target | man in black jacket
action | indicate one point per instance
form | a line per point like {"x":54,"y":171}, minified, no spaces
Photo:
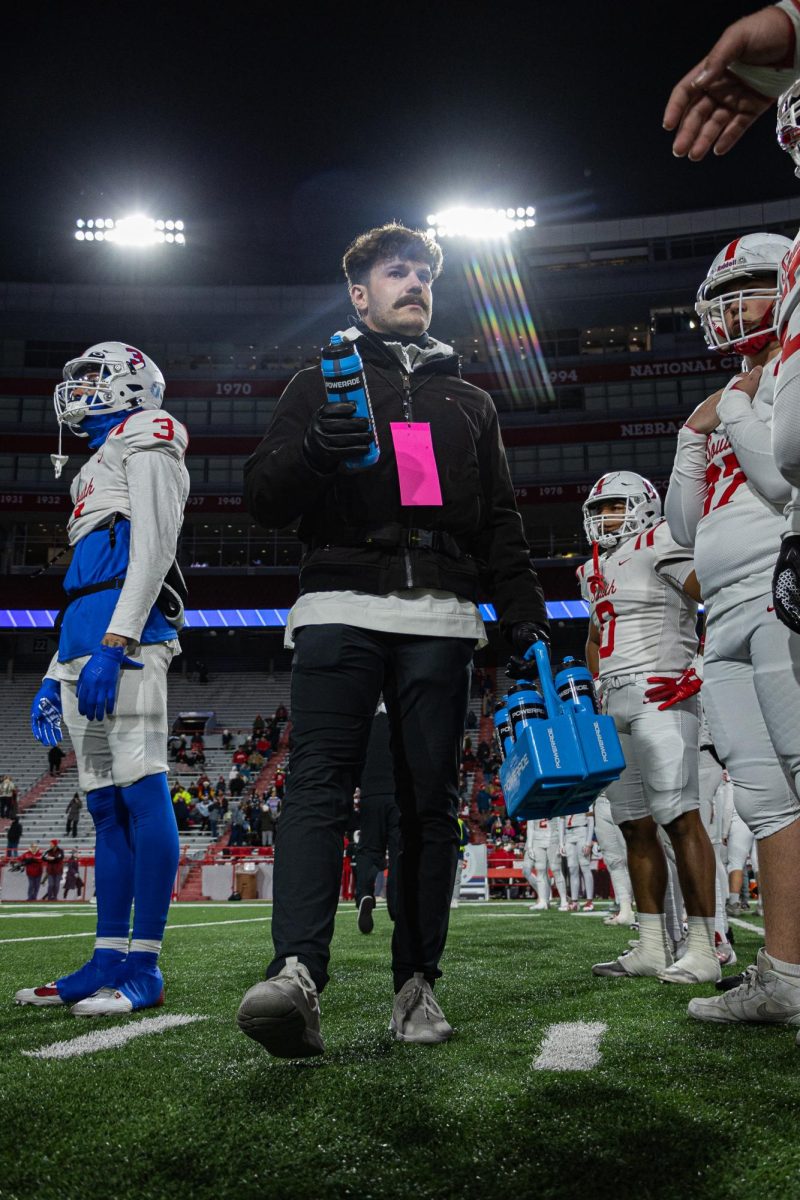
{"x":387,"y":603}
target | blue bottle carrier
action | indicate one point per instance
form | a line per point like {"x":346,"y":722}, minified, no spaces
{"x":560,"y":763}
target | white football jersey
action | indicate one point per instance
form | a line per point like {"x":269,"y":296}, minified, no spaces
{"x":647,"y":625}
{"x":786,"y":420}
{"x":726,"y":488}
{"x":100,"y":488}
{"x":538,"y":833}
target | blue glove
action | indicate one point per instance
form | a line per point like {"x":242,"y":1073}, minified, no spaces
{"x":97,"y":683}
{"x":46,"y":713}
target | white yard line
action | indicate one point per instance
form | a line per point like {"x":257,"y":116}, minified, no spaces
{"x":110,"y":1039}
{"x":571,"y":1046}
{"x":37,"y":916}
{"x":740,"y":924}
{"x":57,"y":937}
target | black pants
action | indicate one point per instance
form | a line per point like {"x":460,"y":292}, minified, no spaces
{"x":379,"y":832}
{"x":338,"y":674}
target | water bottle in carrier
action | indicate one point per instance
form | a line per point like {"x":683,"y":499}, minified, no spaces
{"x":525,"y":704}
{"x":502,"y":727}
{"x":575,"y":686}
{"x":343,"y":373}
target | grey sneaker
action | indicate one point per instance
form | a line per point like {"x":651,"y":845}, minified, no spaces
{"x":416,"y":1017}
{"x":733,"y":907}
{"x":282,"y":1013}
{"x":763,"y":996}
{"x":365,"y":921}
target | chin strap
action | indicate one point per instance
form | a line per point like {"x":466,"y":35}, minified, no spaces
{"x":59,"y":460}
{"x":596,"y":580}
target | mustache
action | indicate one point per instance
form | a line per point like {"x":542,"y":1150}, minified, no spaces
{"x":406,"y":300}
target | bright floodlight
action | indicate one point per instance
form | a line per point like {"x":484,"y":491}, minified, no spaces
{"x":137,"y":230}
{"x":480,"y":222}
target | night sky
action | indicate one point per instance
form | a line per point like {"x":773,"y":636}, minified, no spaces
{"x":278,"y":134}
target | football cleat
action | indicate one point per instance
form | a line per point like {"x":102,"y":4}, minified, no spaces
{"x":733,"y":907}
{"x":282,"y":1013}
{"x":42,"y":997}
{"x":764,"y":996}
{"x":724,"y":952}
{"x":563,"y":906}
{"x":144,"y":989}
{"x":693,"y":968}
{"x":539,"y":906}
{"x":416,"y":1016}
{"x":631,"y":964}
{"x":588,"y":906}
{"x":365,"y":909}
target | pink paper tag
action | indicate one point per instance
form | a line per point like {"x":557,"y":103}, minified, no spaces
{"x":416,"y":464}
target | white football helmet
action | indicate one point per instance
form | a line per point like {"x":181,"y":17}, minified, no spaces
{"x":109,"y":377}
{"x":724,"y":291}
{"x":642,"y":507}
{"x":788,"y":130}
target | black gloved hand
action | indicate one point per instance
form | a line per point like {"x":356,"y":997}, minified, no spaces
{"x":786,"y":583}
{"x":523,"y":635}
{"x":334,"y":435}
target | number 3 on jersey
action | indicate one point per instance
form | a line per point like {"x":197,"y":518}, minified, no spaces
{"x":168,"y":427}
{"x":606,"y":618}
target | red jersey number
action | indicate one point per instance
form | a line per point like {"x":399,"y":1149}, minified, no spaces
{"x":722,"y":481}
{"x":606,"y":618}
{"x":167,"y":425}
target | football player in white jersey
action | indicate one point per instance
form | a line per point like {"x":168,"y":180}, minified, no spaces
{"x":544,"y":850}
{"x":726,"y":499}
{"x":578,"y":837}
{"x":108,"y":678}
{"x":612,"y":849}
{"x":642,"y":593}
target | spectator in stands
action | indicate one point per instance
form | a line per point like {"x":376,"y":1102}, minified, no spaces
{"x":472,"y":720}
{"x":273,"y":803}
{"x":7,"y":791}
{"x":202,"y":810}
{"x":214,"y":817}
{"x":53,"y":859}
{"x":259,"y":725}
{"x":280,"y":783}
{"x":235,"y":781}
{"x":239,"y":826}
{"x":221,"y":786}
{"x":255,"y":818}
{"x":202,"y":673}
{"x":198,"y":751}
{"x":73,"y":877}
{"x":32,"y":862}
{"x":239,"y":756}
{"x":54,"y":757}
{"x":267,"y":824}
{"x":281,"y":715}
{"x":180,"y":802}
{"x":73,"y":813}
{"x":13,"y":835}
{"x":227,"y":739}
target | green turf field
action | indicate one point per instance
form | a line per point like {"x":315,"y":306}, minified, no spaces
{"x":674,"y":1108}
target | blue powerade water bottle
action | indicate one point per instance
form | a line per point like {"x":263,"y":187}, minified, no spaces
{"x":502,"y":725}
{"x":575,"y":686}
{"x":343,"y":372}
{"x":525,"y":704}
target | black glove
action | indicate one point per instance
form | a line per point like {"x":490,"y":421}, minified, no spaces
{"x":523,"y":635}
{"x":334,"y":435}
{"x":786,"y":583}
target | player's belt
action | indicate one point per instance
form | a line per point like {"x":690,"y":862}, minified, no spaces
{"x":107,"y":585}
{"x":615,"y":681}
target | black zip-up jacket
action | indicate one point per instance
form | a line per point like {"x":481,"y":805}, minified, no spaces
{"x":486,"y":547}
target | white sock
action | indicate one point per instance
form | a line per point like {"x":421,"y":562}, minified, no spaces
{"x":653,"y":937}
{"x":733,"y":897}
{"x":701,"y":935}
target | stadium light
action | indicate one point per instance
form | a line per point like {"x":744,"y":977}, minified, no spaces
{"x":480,"y":223}
{"x":137,"y":230}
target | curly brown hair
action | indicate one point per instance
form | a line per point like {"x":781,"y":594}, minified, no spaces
{"x":390,"y":241}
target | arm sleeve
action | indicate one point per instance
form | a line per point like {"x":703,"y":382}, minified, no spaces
{"x":589,"y":828}
{"x":687,"y":489}
{"x":673,"y":563}
{"x":751,"y":440}
{"x":512,"y":582}
{"x":786,"y":410}
{"x":278,"y":482}
{"x":157,"y":496}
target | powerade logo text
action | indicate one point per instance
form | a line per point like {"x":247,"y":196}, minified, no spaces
{"x":600,"y":743}
{"x":342,"y":384}
{"x":552,"y":738}
{"x":513,"y":776}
